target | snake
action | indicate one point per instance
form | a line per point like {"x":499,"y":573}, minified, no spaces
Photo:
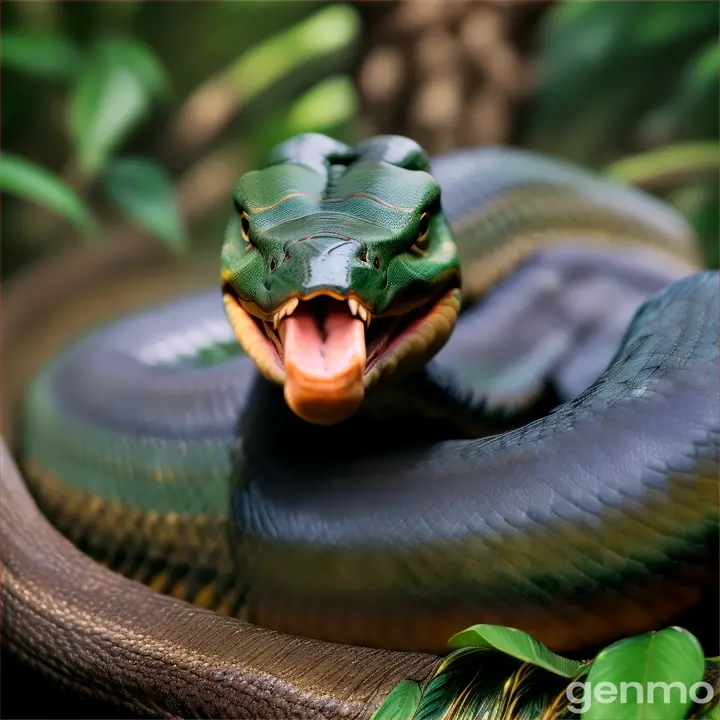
{"x":428,"y":393}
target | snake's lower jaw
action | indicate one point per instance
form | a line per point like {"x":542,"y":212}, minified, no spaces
{"x":253,"y":340}
{"x":416,"y":341}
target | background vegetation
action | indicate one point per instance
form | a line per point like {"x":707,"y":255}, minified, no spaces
{"x":138,"y":117}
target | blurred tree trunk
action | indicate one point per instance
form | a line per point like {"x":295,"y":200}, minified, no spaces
{"x":448,"y":73}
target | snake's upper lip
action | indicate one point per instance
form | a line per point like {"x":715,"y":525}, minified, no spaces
{"x":356,"y":307}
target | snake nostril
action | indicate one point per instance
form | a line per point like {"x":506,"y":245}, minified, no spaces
{"x":286,"y":256}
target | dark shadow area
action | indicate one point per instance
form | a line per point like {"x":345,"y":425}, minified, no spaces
{"x":27,"y":694}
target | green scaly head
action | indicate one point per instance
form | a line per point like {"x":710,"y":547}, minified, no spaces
{"x":339,"y":268}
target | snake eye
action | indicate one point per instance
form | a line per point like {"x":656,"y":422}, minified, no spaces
{"x":423,"y":228}
{"x":245,"y":227}
{"x":244,"y":222}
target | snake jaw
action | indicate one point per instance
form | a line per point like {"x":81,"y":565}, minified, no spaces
{"x":254,"y":339}
{"x":327,"y":350}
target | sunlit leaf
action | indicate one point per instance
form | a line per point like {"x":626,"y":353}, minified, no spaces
{"x":255,"y":91}
{"x":518,"y":644}
{"x":330,"y":103}
{"x":702,"y":72}
{"x":564,"y":15}
{"x":113,"y":95}
{"x":50,"y":56}
{"x":144,"y":190}
{"x":329,"y":29}
{"x":646,"y":677}
{"x":401,"y":702}
{"x":669,"y":164}
{"x":27,"y":180}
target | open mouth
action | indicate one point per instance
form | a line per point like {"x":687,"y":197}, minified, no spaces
{"x":327,"y":350}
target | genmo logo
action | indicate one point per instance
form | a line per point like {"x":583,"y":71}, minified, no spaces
{"x":582,"y":695}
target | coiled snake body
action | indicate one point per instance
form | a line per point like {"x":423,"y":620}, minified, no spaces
{"x":345,"y":492}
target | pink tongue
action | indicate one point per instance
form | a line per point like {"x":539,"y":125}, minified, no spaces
{"x":324,"y":367}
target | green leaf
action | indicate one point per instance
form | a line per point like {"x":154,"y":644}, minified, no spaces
{"x":49,"y":56}
{"x":518,"y":644}
{"x":701,"y":74}
{"x":710,"y":710}
{"x":712,"y":714}
{"x":706,"y":223}
{"x":401,"y":702}
{"x":482,"y":683}
{"x":647,"y":677}
{"x":144,"y":190}
{"x":700,"y":204}
{"x":691,"y":111}
{"x":564,"y":15}
{"x":113,"y":95}
{"x":331,"y":28}
{"x":584,"y":33}
{"x":328,"y":104}
{"x":704,"y":69}
{"x":670,"y":164}
{"x":27,"y":180}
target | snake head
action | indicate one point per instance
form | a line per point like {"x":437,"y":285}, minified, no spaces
{"x":339,"y":269}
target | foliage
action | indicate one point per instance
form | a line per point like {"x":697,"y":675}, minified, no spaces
{"x":623,"y":77}
{"x":111,"y":86}
{"x":670,"y":656}
{"x":516,"y":643}
{"x":115,"y":90}
{"x":639,"y":79}
{"x":40,"y":55}
{"x":487,"y":684}
{"x":172,"y":86}
{"x":139,"y":114}
{"x":26,"y":179}
{"x":668,"y":165}
{"x":616,"y":81}
{"x":401,"y":702}
{"x":500,"y":673}
{"x":143,"y":190}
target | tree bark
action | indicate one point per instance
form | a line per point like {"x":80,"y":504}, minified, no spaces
{"x":448,"y":73}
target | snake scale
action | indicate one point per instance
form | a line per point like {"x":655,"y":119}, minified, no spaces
{"x":482,"y":388}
